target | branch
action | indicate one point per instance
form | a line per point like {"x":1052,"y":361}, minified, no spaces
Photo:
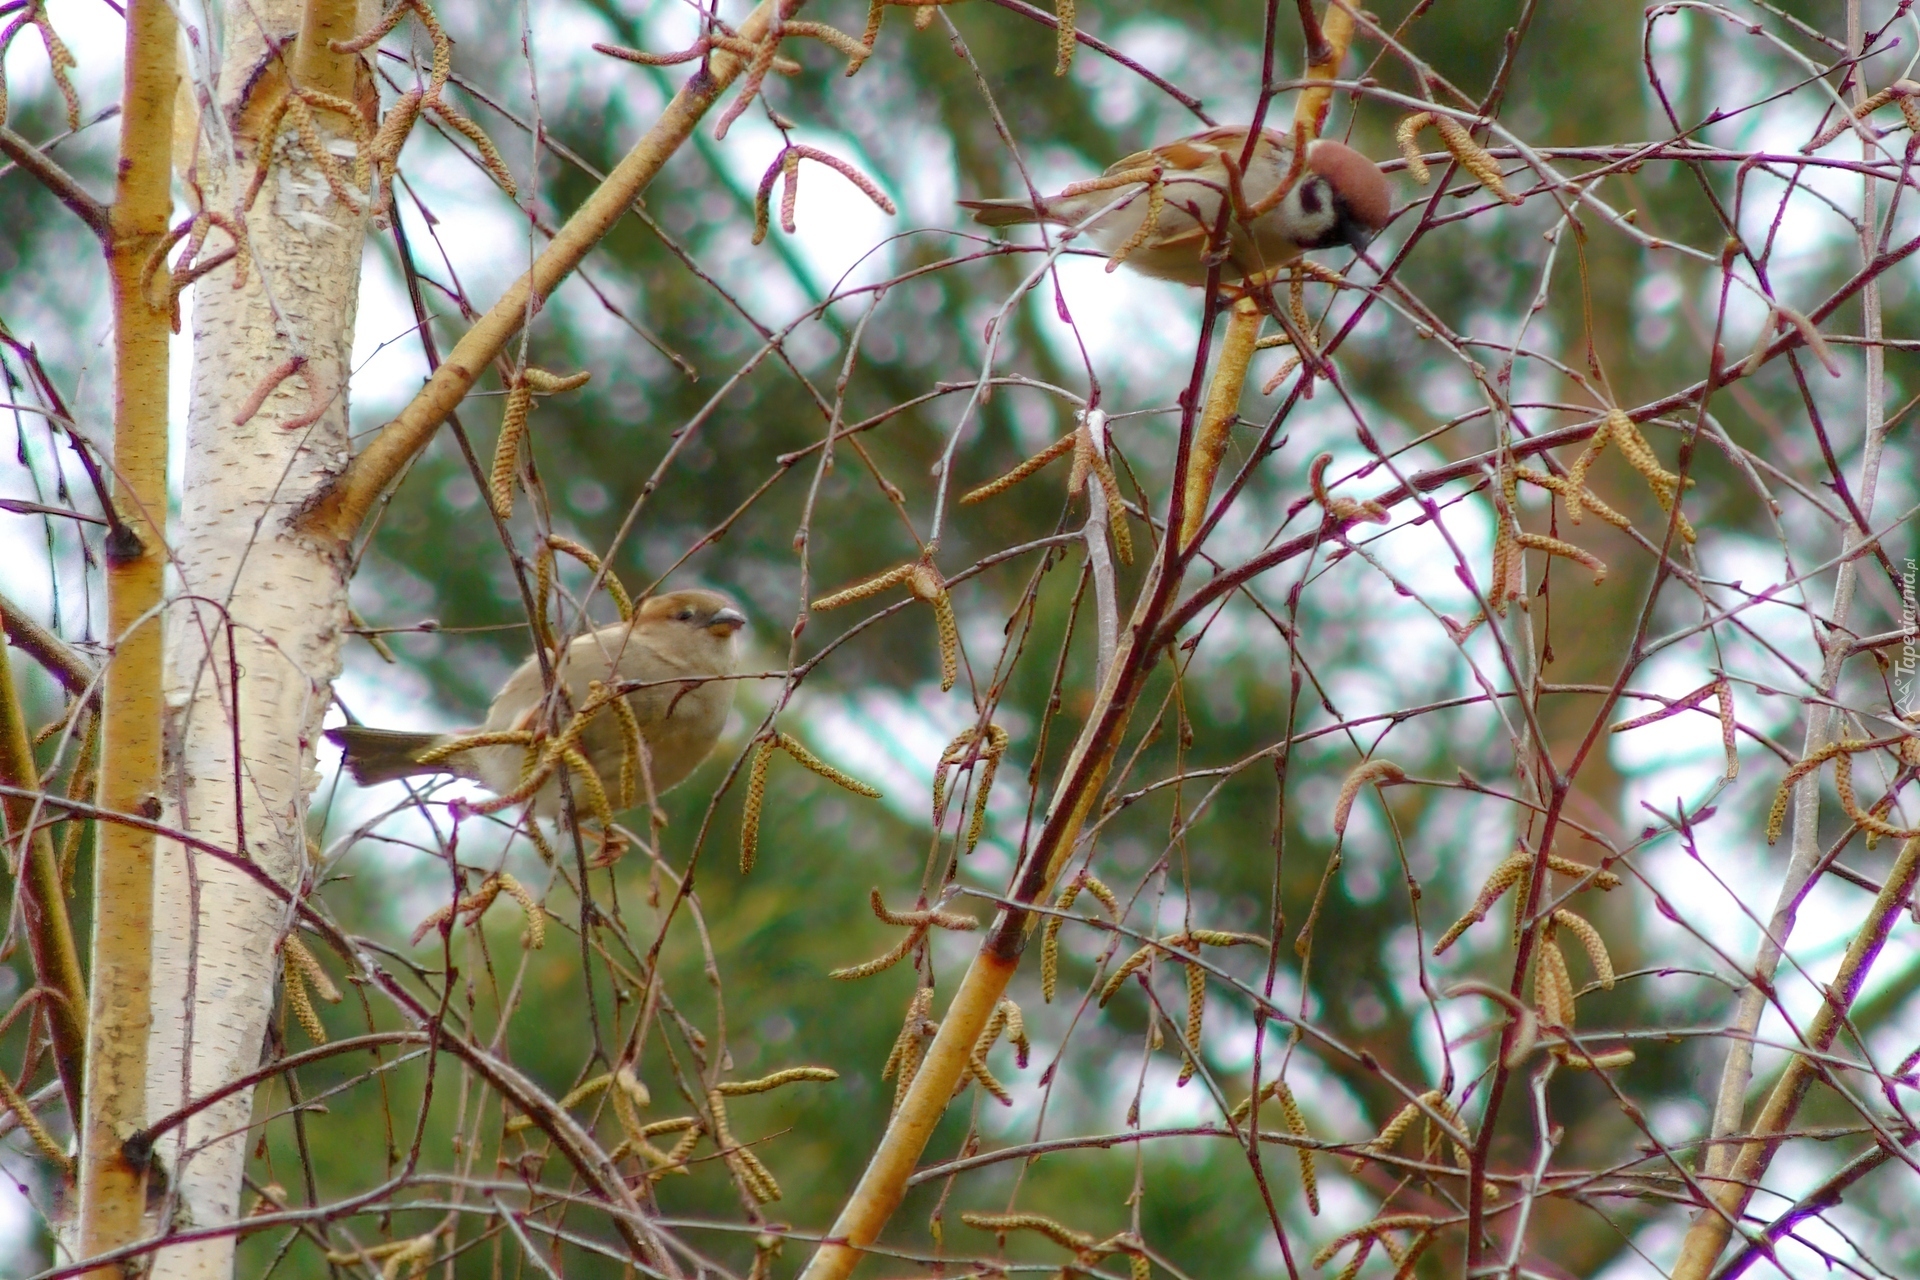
{"x":1099,"y":46}
{"x":1331,"y":527}
{"x":339,"y":513}
{"x":1711,"y":1230}
{"x":884,"y":1182}
{"x":1817,"y":1201}
{"x":119,"y":534}
{"x":1317,"y":48}
{"x":56,"y":959}
{"x":57,"y":180}
{"x":1310,"y":109}
{"x":315,"y":64}
{"x":62,"y":661}
{"x":279,"y":1066}
{"x":112,"y":1186}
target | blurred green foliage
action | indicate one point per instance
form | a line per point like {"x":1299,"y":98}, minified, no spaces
{"x":746,"y":960}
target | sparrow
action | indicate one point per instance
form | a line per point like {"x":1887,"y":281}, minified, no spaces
{"x":682,"y":639}
{"x":1337,"y":197}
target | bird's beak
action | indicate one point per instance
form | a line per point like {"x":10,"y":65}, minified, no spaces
{"x":1355,"y":234}
{"x":726,"y":621}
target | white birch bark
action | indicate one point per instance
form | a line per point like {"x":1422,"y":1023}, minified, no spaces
{"x":280,"y":598}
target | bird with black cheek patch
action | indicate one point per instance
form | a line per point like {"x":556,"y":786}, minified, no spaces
{"x":1337,"y":197}
{"x":679,"y":647}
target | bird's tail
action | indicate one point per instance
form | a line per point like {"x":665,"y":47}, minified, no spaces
{"x":1008,"y":212}
{"x":381,"y":755}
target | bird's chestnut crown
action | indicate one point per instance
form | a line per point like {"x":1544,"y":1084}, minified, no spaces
{"x":1342,"y":199}
{"x":706,"y":610}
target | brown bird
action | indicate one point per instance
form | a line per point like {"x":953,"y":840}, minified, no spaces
{"x":683,"y":639}
{"x":1338,"y":197}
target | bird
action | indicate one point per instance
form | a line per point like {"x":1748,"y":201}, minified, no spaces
{"x":1338,"y":196}
{"x":681,"y":645}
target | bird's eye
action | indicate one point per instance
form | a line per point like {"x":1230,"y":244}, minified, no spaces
{"x":685,"y":615}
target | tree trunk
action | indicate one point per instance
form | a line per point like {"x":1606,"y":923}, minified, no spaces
{"x":254,"y":643}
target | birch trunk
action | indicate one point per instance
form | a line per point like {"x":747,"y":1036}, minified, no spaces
{"x":256,"y":594}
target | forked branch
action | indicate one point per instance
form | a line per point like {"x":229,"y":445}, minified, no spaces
{"x":353,"y":493}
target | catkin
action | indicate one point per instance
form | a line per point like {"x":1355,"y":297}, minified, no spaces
{"x":1063,"y":12}
{"x":1156,"y":202}
{"x":1050,"y":941}
{"x":536,"y":916}
{"x":735,"y":1088}
{"x":1404,"y":135}
{"x":507,"y":450}
{"x":1582,"y":928}
{"x":927,"y":584}
{"x":909,"y":1045}
{"x":1723,"y":706}
{"x":1376,"y":771}
{"x":1017,"y":1033}
{"x":302,"y":116}
{"x":399,"y":122}
{"x":489,"y":154}
{"x":1560,"y":547}
{"x":303,"y":959}
{"x":1577,"y":472}
{"x":1553,"y":985}
{"x":756,"y":799}
{"x":630,"y":1086}
{"x":678,"y":1154}
{"x":1504,"y":877}
{"x":875,"y":9}
{"x":302,"y":1007}
{"x":1002,"y":1223}
{"x":1297,"y":1125}
{"x":1777,"y":815}
{"x":632,"y":749}
{"x":1125,"y":971}
{"x":1001,"y":484}
{"x":791,"y":745}
{"x":870,"y":587}
{"x":1390,"y":1133}
{"x":11,"y":1100}
{"x":579,"y":551}
{"x":582,"y":772}
{"x":1196,"y":1011}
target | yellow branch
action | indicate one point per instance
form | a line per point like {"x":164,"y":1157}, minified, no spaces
{"x":56,"y":960}
{"x":113,"y":1188}
{"x":885,"y":1180}
{"x":883,"y":1183}
{"x":1310,"y":109}
{"x":315,"y":64}
{"x":339,"y":513}
{"x":881,"y":1186}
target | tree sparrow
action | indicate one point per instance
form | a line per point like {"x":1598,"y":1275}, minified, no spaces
{"x":1337,"y":196}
